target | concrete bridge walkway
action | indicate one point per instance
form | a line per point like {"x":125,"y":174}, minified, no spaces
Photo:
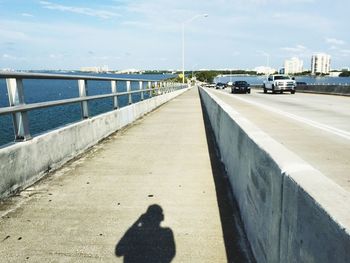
{"x":109,"y":203}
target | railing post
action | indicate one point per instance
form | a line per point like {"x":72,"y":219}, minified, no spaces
{"x":150,"y":88}
{"x":161,"y":89}
{"x":83,"y":92}
{"x":141,"y":88}
{"x":114,"y":91}
{"x":20,"y":119}
{"x":128,"y":89}
{"x":156,"y":89}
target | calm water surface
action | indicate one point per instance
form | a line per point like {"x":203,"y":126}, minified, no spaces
{"x":43,"y":120}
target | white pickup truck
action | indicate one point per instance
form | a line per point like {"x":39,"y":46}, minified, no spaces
{"x":279,"y":83}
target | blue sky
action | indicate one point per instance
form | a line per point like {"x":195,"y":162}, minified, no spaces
{"x":144,"y":34}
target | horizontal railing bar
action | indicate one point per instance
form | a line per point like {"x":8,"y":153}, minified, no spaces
{"x":63,"y":76}
{"x":40,"y":105}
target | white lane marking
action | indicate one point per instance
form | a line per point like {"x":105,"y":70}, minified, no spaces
{"x":330,"y":129}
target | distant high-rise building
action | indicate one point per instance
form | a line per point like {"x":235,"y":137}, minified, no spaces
{"x":320,"y":64}
{"x":264,"y":70}
{"x":94,"y":69}
{"x":293,"y":65}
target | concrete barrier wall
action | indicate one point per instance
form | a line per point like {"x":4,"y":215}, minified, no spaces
{"x":291,"y":212}
{"x":22,"y":164}
{"x":325,"y":89}
{"x":343,"y":90}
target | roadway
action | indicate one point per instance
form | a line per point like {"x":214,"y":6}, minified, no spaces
{"x":315,"y":127}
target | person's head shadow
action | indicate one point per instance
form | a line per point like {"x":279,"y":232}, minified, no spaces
{"x":146,"y":241}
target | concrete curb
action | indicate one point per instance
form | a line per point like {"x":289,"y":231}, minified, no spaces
{"x":24,"y":163}
{"x":291,"y":212}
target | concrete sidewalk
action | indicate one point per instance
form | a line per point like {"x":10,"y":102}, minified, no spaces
{"x":82,"y":211}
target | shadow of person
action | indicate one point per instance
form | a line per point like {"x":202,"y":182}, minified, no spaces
{"x":146,"y":241}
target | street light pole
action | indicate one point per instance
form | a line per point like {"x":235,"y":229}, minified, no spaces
{"x":183,"y":42}
{"x":183,"y":53}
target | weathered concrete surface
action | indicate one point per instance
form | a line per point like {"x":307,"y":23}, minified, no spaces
{"x":82,"y":211}
{"x":291,"y":212}
{"x":24,"y":163}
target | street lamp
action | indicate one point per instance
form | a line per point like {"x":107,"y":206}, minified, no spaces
{"x":183,"y":42}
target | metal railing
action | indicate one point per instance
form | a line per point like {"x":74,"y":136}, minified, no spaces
{"x":19,"y":109}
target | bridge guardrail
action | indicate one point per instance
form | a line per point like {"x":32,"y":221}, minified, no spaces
{"x":291,"y":211}
{"x":18,"y":108}
{"x":342,"y":89}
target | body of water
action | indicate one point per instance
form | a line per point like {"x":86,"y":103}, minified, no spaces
{"x":258,"y":80}
{"x":43,"y":120}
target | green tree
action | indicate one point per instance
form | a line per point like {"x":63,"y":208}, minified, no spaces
{"x":345,"y":74}
{"x":206,"y":76}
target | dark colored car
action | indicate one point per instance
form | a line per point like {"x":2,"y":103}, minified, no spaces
{"x":240,"y":87}
{"x":220,"y":85}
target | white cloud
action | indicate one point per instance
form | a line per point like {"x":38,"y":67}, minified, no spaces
{"x":55,"y":56}
{"x":345,"y":52}
{"x":11,"y":35}
{"x":235,"y":53}
{"x":136,"y":23}
{"x":11,"y":57}
{"x":335,"y":41}
{"x":106,"y":57}
{"x":263,"y":53}
{"x":281,"y":1}
{"x":79,"y":10}
{"x":296,"y":49}
{"x":305,"y":21}
{"x":27,"y":15}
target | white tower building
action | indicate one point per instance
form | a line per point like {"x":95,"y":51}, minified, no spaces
{"x":320,"y":63}
{"x":293,"y":65}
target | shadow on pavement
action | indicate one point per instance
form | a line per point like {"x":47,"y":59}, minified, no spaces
{"x":146,"y":241}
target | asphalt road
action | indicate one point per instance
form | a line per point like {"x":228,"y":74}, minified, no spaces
{"x":315,"y":127}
